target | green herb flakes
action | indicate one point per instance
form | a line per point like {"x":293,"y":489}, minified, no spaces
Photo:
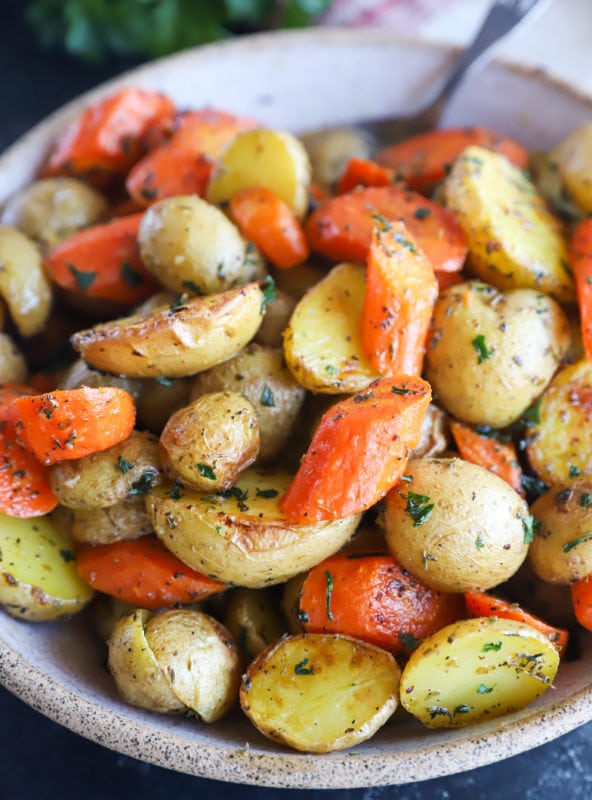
{"x":586,"y":537}
{"x":84,"y":279}
{"x":328,"y":593}
{"x":491,"y":646}
{"x":409,"y":640}
{"x":142,"y":485}
{"x":483,"y":352}
{"x":206,"y":471}
{"x":418,"y":507}
{"x":131,"y":276}
{"x":267,"y":398}
{"x":123,"y":465}
{"x":266,"y":493}
{"x":483,"y":689}
{"x":269,"y":293}
{"x":302,"y":669}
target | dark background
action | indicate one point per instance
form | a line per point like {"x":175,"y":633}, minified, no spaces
{"x":39,"y":759}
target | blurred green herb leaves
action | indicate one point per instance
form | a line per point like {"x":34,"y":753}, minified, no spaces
{"x":95,"y":29}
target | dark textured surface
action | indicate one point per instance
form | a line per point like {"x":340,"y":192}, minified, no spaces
{"x":39,"y":759}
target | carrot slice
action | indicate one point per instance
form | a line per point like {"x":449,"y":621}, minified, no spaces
{"x":364,"y":172}
{"x":400,"y":294}
{"x":481,"y":604}
{"x":341,"y":228}
{"x":580,"y":260}
{"x":498,"y":457}
{"x":581,"y":596}
{"x":144,"y":573}
{"x":106,"y":138}
{"x":447,"y":279}
{"x":183,"y":163}
{"x":103,"y":261}
{"x":71,"y":423}
{"x":424,"y":160}
{"x":266,"y":220}
{"x":389,"y":607}
{"x":359,"y":450}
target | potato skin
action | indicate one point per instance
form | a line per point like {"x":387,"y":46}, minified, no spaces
{"x":474,"y":536}
{"x":491,"y":353}
{"x":207,"y":444}
{"x":126,"y":519}
{"x":23,"y":282}
{"x":561,"y":551}
{"x":13,"y":365}
{"x":572,"y":155}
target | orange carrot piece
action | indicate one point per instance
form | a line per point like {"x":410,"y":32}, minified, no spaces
{"x":580,"y":260}
{"x":581,"y":596}
{"x":184,"y":162}
{"x":400,"y":294}
{"x":364,"y":172}
{"x":266,"y":220}
{"x":447,"y":279}
{"x":388,"y":606}
{"x":103,"y":261}
{"x":318,"y":194}
{"x":106,"y":138}
{"x":71,"y":423}
{"x":144,"y":573}
{"x":481,"y":604}
{"x":341,"y":228}
{"x":359,"y":450}
{"x":423,"y":160}
{"x":498,"y":457}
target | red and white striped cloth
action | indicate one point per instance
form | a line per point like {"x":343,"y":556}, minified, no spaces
{"x":404,"y":15}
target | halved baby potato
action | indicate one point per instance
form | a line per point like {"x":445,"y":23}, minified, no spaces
{"x":23,"y":283}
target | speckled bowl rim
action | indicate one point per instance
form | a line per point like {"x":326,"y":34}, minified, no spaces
{"x":477,"y":746}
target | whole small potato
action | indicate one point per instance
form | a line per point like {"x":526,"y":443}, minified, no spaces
{"x":207,"y":444}
{"x":561,"y":551}
{"x":456,"y":526}
{"x":80,"y":374}
{"x":126,"y":519}
{"x":491,"y":353}
{"x":277,"y":315}
{"x":13,"y":365}
{"x":158,"y":398}
{"x":24,"y":285}
{"x":191,"y":246}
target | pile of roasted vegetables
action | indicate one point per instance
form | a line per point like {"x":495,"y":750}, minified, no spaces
{"x":286,"y":414}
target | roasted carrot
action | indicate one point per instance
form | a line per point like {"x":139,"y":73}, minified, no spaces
{"x":103,"y":261}
{"x":184,"y":162}
{"x":71,"y":423}
{"x":364,"y":172}
{"x":389,"y":607}
{"x":447,"y":279}
{"x":481,"y":604}
{"x":266,"y":220}
{"x":423,"y":160}
{"x":359,"y":450}
{"x":400,"y":294}
{"x":144,"y":573}
{"x":581,"y":596}
{"x":341,"y":228}
{"x":106,"y":138}
{"x":497,"y":456}
{"x":24,"y":484}
{"x":580,"y":260}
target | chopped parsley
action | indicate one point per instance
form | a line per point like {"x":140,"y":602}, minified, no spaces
{"x":267,"y":398}
{"x":131,"y":276}
{"x":123,"y":465}
{"x":402,"y":390}
{"x":529,"y":525}
{"x":409,"y":640}
{"x":302,"y":669}
{"x":483,"y":689}
{"x":382,"y":222}
{"x":586,"y":537}
{"x":422,"y":213}
{"x":192,"y":286}
{"x":84,"y":279}
{"x":142,"y":485}
{"x":492,"y":433}
{"x":164,"y":381}
{"x":328,"y":593}
{"x":269,"y":293}
{"x":574,"y":471}
{"x":266,"y":493}
{"x":585,"y":499}
{"x":483,"y":352}
{"x":67,"y":555}
{"x":418,"y":507}
{"x":206,"y":471}
{"x":534,"y":487}
{"x":175,"y":493}
{"x":398,"y":236}
{"x":479,"y":543}
{"x":489,"y":646}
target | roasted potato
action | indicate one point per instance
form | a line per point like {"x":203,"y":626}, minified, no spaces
{"x":456,"y":526}
{"x":38,"y":578}
{"x":13,"y":365}
{"x":329,"y":151}
{"x":158,"y":398}
{"x":49,"y":210}
{"x":261,"y":157}
{"x":491,"y":353}
{"x":561,"y":551}
{"x":322,"y":343}
{"x":24,"y":285}
{"x":191,"y":246}
{"x":259,"y":374}
{"x":240,"y":536}
{"x":101,"y":479}
{"x":207,"y":444}
{"x":253,"y":619}
{"x":515,"y":242}
{"x":477,"y":669}
{"x":559,"y":440}
{"x":80,"y":374}
{"x":277,"y":315}
{"x":126,"y":519}
{"x":175,"y":341}
{"x":572,"y":156}
{"x":319,"y":693}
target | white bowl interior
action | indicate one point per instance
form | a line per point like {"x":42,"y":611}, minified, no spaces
{"x":298,"y":81}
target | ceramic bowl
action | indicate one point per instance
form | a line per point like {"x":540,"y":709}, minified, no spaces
{"x":297,"y":81}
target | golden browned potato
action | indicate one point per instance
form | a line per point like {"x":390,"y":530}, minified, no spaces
{"x":177,"y":340}
{"x":548,"y":180}
{"x":207,"y":444}
{"x":561,"y":551}
{"x":319,"y":692}
{"x":572,"y":156}
{"x":456,"y":526}
{"x":13,"y":365}
{"x":259,"y":374}
{"x":491,"y":353}
{"x":514,"y":240}
{"x":38,"y":578}
{"x":24,"y":285}
{"x":560,"y":430}
{"x":191,"y":246}
{"x":158,"y":399}
{"x":477,"y":669}
{"x":322,"y":343}
{"x":126,"y":519}
{"x":49,"y":210}
{"x":330,"y":150}
{"x":277,"y":315}
{"x":275,"y":159}
{"x":101,"y":479}
{"x":241,"y":536}
{"x":253,"y":619}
